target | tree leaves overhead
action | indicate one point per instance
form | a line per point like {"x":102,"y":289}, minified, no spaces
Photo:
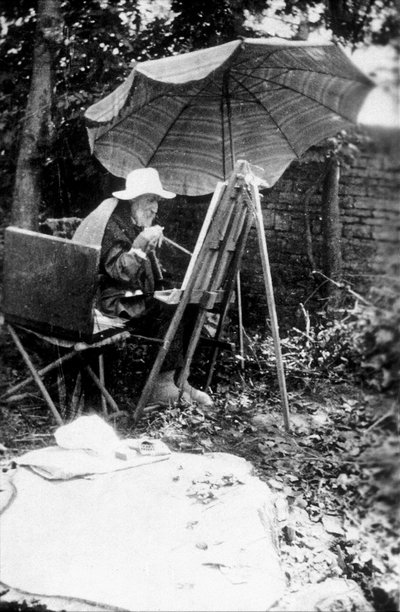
{"x":102,"y":39}
{"x":354,"y":20}
{"x":351,"y":21}
{"x":204,"y":23}
{"x":97,"y":49}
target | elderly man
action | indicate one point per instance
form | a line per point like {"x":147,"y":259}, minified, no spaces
{"x":130,"y":273}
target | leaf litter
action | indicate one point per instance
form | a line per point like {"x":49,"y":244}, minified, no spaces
{"x":335,"y":477}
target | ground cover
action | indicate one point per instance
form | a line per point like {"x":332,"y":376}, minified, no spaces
{"x":335,"y":476}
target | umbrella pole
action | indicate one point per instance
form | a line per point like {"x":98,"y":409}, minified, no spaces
{"x":271,"y":305}
{"x":238,"y":284}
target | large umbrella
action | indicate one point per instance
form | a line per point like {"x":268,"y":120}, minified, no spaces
{"x":192,"y":115}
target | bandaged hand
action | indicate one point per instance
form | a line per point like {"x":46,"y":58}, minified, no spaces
{"x":149,"y":238}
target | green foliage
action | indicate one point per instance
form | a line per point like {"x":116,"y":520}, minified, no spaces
{"x":81,"y":73}
{"x":362,"y":346}
{"x":202,"y":23}
{"x":101,"y":41}
{"x":205,"y":23}
{"x":351,"y":21}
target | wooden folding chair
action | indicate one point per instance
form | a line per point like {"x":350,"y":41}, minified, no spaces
{"x":50,"y":285}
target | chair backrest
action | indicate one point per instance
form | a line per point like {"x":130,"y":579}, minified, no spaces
{"x":50,"y":283}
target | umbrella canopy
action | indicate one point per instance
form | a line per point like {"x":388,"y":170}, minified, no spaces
{"x":192,"y":115}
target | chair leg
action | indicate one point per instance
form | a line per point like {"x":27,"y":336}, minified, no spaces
{"x":76,"y":397}
{"x":41,"y":373}
{"x":102,"y":380}
{"x":62,"y":393}
{"x":35,"y":375}
{"x":101,"y":387}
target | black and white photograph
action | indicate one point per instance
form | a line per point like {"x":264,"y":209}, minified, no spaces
{"x":199,"y":305}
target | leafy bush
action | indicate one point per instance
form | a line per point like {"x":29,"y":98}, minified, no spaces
{"x":364,"y":345}
{"x":361,"y":346}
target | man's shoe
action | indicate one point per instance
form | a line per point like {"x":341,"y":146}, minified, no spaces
{"x":190,"y":394}
{"x":165,"y":391}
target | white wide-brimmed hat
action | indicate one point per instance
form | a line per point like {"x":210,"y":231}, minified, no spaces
{"x":141,"y":181}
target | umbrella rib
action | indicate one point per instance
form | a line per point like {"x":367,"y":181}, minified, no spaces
{"x":259,"y":64}
{"x":290,"y":69}
{"x":171,"y":125}
{"x":268,"y":113}
{"x":329,"y":108}
{"x":123,"y":112}
{"x":303,"y":70}
{"x":282,"y":86}
{"x":175,"y":119}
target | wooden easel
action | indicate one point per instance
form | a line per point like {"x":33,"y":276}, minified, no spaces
{"x":212,"y":273}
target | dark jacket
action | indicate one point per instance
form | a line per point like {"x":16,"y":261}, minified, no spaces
{"x":128,"y":275}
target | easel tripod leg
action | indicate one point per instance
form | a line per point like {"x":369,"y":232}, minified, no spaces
{"x":271,"y":306}
{"x":194,"y":339}
{"x":240,"y":316}
{"x":162,"y":353}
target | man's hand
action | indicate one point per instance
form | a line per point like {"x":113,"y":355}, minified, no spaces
{"x":149,"y":238}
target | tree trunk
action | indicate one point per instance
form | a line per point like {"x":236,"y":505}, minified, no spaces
{"x":332,"y":230}
{"x":37,"y":128}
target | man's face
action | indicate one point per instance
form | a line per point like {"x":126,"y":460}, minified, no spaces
{"x":144,"y":209}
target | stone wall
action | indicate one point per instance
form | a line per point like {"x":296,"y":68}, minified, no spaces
{"x":370,"y":218}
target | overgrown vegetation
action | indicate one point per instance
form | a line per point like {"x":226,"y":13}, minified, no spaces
{"x":101,"y":40}
{"x":358,"y":343}
{"x":338,"y":468}
{"x":335,"y":476}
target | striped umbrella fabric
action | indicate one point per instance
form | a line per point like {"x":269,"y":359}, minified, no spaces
{"x":192,"y":115}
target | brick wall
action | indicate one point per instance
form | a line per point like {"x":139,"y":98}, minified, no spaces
{"x":370,"y":219}
{"x":370,"y":224}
